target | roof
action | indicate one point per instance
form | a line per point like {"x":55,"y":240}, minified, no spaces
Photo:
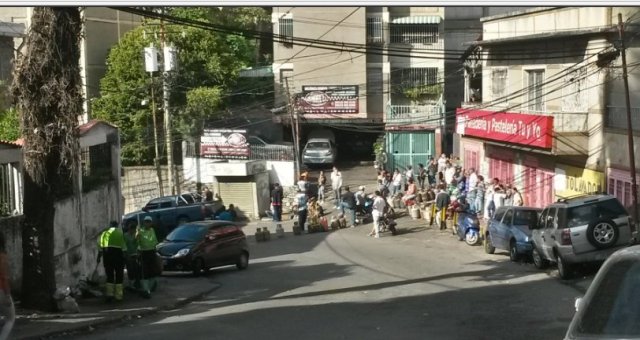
{"x":12,"y":29}
{"x":417,"y":20}
{"x":583,"y":199}
{"x":14,"y":144}
{"x":546,"y":35}
{"x":515,"y":207}
{"x":84,"y":128}
{"x":517,"y":13}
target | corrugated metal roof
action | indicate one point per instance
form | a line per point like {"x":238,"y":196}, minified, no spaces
{"x":418,"y":19}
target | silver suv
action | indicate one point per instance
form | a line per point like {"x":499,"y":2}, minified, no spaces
{"x":579,"y":230}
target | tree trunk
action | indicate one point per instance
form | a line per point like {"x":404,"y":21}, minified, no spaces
{"x":47,"y":90}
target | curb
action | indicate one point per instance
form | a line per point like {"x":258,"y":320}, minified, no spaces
{"x":121,"y":318}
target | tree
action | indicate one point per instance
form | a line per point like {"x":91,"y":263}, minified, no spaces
{"x":9,"y":124}
{"x":48,"y":93}
{"x":209,"y":63}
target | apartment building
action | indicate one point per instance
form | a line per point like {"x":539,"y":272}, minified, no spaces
{"x":103,"y":28}
{"x":546,"y":118}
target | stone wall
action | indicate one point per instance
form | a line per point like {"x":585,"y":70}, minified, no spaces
{"x":10,"y":227}
{"x":140,"y":184}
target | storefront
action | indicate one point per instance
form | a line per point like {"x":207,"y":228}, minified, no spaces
{"x":619,"y":185}
{"x":501,"y":162}
{"x":472,"y":154}
{"x":573,"y":181}
{"x":537,"y":180}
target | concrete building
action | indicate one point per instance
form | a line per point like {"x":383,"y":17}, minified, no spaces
{"x":543,"y":120}
{"x":103,"y":28}
{"x":393,"y":70}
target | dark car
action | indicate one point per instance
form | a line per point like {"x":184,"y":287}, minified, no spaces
{"x":510,"y":229}
{"x":198,"y":246}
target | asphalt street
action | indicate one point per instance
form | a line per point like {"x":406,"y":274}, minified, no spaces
{"x":422,"y":284}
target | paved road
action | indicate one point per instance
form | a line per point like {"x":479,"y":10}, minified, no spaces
{"x":345,"y":285}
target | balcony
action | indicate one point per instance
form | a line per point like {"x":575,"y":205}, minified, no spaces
{"x":428,"y":116}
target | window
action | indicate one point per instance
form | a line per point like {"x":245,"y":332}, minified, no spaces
{"x":374,"y":81}
{"x":574,"y":97}
{"x":535,"y":98}
{"x":499,"y":84}
{"x":551,"y":217}
{"x":374,"y":30}
{"x":499,"y":214}
{"x":286,"y":31}
{"x":508,"y":218}
{"x":404,"y":78}
{"x":96,"y":166}
{"x":414,"y":33}
{"x":10,"y":192}
{"x":525,"y":217}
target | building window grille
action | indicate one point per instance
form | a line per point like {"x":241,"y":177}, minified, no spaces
{"x":374,"y":81}
{"x":414,"y":33}
{"x":534,"y":90}
{"x":8,"y":193}
{"x":374,"y":30}
{"x":96,"y":166}
{"x":286,"y":31}
{"x":403,"y":78}
{"x":574,"y":97}
{"x":499,"y":83}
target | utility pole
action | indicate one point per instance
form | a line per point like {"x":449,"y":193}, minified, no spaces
{"x":294,"y":130}
{"x":165,"y":105}
{"x":632,"y":159}
{"x":151,"y":65}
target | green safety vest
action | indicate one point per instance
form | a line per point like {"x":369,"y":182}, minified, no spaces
{"x":112,"y":237}
{"x":146,"y":239}
{"x":132,"y":244}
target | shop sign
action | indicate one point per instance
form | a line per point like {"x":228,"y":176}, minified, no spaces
{"x":329,"y":99}
{"x":224,"y":144}
{"x":572,"y":181}
{"x":516,"y":128}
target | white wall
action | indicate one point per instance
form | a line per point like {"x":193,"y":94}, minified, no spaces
{"x":282,"y":172}
{"x":77,"y":223}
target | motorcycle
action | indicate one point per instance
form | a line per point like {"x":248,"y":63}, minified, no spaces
{"x":468,"y":226}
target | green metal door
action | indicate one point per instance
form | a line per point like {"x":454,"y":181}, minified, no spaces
{"x":409,"y":148}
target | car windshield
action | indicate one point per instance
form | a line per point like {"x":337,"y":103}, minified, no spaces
{"x":318,"y":145}
{"x":525,"y":217}
{"x":585,"y":214}
{"x":187,"y":233}
{"x":614,"y":310}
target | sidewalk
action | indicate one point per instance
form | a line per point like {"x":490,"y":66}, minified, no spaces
{"x":173,"y":292}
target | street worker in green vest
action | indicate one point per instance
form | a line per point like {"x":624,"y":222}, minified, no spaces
{"x":146,"y":237}
{"x":112,"y":247}
{"x":132,"y":257}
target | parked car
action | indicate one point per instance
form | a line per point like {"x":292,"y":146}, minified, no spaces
{"x":319,"y":151}
{"x":510,"y":229}
{"x":610,"y":309}
{"x":580,"y":230}
{"x":198,"y":246}
{"x":170,"y":211}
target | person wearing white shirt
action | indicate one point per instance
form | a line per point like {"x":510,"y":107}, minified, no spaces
{"x":442,"y":162}
{"x":336,"y":185}
{"x":449,"y":173}
{"x":377,"y":213}
{"x":397,"y":182}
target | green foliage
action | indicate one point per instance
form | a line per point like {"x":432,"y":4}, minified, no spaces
{"x":202,"y":104}
{"x":9,"y":125}
{"x":421,"y":92}
{"x":208,"y":65}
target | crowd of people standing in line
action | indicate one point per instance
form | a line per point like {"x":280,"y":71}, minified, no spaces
{"x":446,"y":177}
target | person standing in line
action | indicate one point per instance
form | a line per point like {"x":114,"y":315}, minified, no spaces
{"x":112,"y":248}
{"x":517,"y":197}
{"x":360,"y":200}
{"x":449,"y":174}
{"x":302,"y":183}
{"x":422,"y":175}
{"x":442,"y":162}
{"x":480,"y":191}
{"x":408,"y":176}
{"x":147,"y":242}
{"x":322,"y":180}
{"x":349,"y":204}
{"x":7,"y":308}
{"x":432,"y":171}
{"x":301,"y":202}
{"x":442,"y":202}
{"x":336,"y":185}
{"x":377,"y":213}
{"x":471,"y":189}
{"x":276,"y":202}
{"x":132,"y":261}
{"x":508,"y":199}
{"x":397,"y":182}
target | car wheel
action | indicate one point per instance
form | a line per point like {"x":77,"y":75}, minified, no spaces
{"x":198,"y":267}
{"x":488,"y":247}
{"x":564,"y":269}
{"x":243,"y":261}
{"x":513,"y":251}
{"x":603,"y":233}
{"x":538,"y":261}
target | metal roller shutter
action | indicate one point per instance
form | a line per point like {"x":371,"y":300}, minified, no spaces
{"x":241,"y":195}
